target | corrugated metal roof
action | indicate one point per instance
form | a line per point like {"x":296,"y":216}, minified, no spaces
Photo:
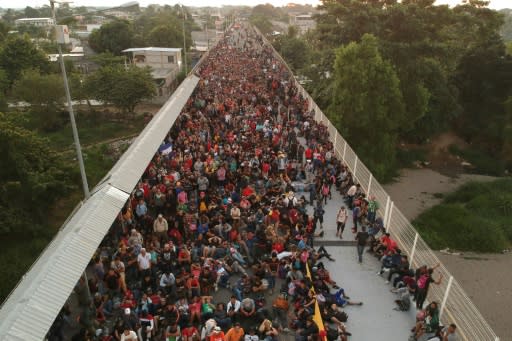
{"x":128,"y":170}
{"x":153,"y":49}
{"x":30,"y":310}
{"x":33,"y":305}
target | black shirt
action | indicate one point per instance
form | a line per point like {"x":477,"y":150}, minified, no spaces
{"x":361,"y":238}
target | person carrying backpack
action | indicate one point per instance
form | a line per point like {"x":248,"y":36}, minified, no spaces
{"x":326,"y":192}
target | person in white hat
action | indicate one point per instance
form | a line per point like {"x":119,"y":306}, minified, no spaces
{"x":217,"y":334}
{"x":160,"y":228}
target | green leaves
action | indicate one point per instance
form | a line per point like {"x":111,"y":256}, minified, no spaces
{"x":32,"y":177}
{"x":368,"y":103}
{"x":45,"y":93}
{"x":18,"y":54}
{"x":165,"y":36}
{"x":123,"y":87}
{"x":113,"y":37}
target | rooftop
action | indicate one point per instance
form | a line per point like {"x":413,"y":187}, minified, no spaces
{"x":153,"y":49}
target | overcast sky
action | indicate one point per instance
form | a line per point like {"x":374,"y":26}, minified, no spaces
{"x":496,"y":4}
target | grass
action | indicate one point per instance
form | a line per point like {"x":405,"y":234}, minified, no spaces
{"x":91,"y":131}
{"x":405,"y":158}
{"x":477,"y":217}
{"x":482,"y":161}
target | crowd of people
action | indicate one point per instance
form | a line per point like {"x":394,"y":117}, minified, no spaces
{"x":223,"y":209}
{"x":216,"y":241}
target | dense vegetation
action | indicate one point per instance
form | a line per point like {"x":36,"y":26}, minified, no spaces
{"x":39,"y":178}
{"x":448,"y":67}
{"x":150,"y":28}
{"x":476,"y":217}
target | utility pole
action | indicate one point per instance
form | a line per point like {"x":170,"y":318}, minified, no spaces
{"x":76,"y":140}
{"x":184,"y":41}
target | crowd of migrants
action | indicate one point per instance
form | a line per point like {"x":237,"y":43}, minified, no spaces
{"x":223,"y":206}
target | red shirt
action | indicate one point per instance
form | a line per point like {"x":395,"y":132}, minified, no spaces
{"x":217,"y":336}
{"x":189,"y":331}
{"x":194,"y":307}
{"x":309,"y":153}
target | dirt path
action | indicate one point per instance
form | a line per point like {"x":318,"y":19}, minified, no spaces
{"x":486,"y":278}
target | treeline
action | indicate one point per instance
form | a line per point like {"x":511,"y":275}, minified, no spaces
{"x":387,"y":72}
{"x":162,"y":28}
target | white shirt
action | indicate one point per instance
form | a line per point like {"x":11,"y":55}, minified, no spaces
{"x":352,"y":191}
{"x":132,"y":336}
{"x":236,"y":305}
{"x":144,"y":261}
{"x":167,"y":280}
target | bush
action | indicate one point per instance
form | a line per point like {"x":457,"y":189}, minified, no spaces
{"x":482,"y":161}
{"x":477,"y":217}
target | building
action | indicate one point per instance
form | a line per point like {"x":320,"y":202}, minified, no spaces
{"x":165,"y":65}
{"x":40,"y":22}
{"x":304,"y":22}
{"x":119,"y":14}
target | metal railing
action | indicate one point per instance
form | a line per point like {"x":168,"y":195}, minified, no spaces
{"x":455,"y":305}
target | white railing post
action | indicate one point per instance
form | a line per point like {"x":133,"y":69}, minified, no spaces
{"x":355,"y":167}
{"x":388,"y":223}
{"x":446,"y":294}
{"x":344,"y":150}
{"x":369,"y":185}
{"x":386,"y":212}
{"x":413,"y":250}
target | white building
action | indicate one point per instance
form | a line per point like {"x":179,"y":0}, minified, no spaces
{"x":304,"y":22}
{"x":41,"y":22}
{"x":165,"y":65}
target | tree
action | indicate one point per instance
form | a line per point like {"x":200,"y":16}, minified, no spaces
{"x":294,"y":50}
{"x":165,"y":36}
{"x":262,"y":23}
{"x":152,"y":27}
{"x":18,"y":54}
{"x":32,"y":177}
{"x":484,"y":91}
{"x":368,"y":104}
{"x":267,"y":11}
{"x":31,"y":12}
{"x":4,"y":29}
{"x":506,"y":150}
{"x":124,"y":88}
{"x":107,"y":58}
{"x":45,"y":93}
{"x":113,"y":37}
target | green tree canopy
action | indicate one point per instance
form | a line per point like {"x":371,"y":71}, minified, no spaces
{"x":368,"y":104}
{"x":164,"y":28}
{"x":124,"y":88}
{"x":294,"y":50}
{"x":165,"y":36}
{"x":45,"y":93}
{"x":113,"y":37}
{"x":32,"y":177}
{"x":17,"y":54}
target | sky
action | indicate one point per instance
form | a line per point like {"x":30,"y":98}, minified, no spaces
{"x":495,"y":4}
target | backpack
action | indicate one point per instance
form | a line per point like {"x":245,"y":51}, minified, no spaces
{"x":422,"y":281}
{"x":325,"y":189}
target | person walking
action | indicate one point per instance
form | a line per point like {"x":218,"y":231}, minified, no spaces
{"x":361,"y":238}
{"x":341,"y":220}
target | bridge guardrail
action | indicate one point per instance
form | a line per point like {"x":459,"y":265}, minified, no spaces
{"x":455,"y":305}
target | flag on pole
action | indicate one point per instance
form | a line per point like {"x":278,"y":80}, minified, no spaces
{"x":165,"y":148}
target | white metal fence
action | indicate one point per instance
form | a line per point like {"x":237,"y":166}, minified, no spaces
{"x":455,"y":305}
